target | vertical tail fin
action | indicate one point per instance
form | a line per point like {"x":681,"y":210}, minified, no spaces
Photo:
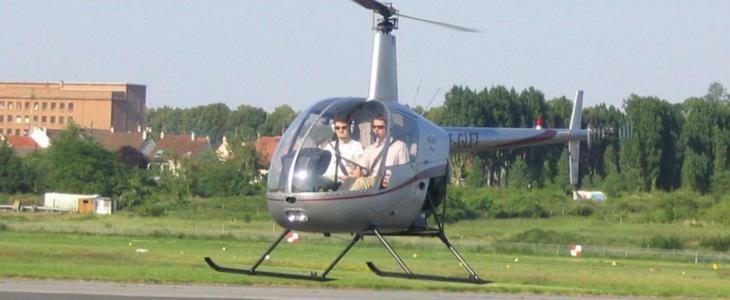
{"x":574,"y":146}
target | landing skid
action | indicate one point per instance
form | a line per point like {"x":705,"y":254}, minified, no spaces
{"x":408,"y":274}
{"x":253,"y":272}
{"x":313,"y":276}
{"x":439,"y":232}
{"x":474,"y":280}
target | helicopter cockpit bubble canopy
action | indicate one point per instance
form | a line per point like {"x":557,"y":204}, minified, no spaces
{"x":310,"y":158}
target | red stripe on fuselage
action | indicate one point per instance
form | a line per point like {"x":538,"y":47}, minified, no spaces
{"x":548,"y":134}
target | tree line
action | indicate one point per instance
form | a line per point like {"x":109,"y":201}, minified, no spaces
{"x":647,"y":144}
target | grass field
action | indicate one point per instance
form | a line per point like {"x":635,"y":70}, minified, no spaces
{"x":104,"y":248}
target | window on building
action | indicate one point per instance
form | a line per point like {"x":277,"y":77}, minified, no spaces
{"x":2,"y":104}
{"x":53,"y":105}
{"x":45,"y":105}
{"x":35,"y":119}
{"x":10,"y":118}
{"x":70,"y":107}
{"x":62,"y":105}
{"x":2,"y":119}
{"x":18,"y":105}
{"x":10,"y":105}
{"x":25,"y":132}
{"x":17,"y":131}
{"x":53,"y":119}
{"x":18,"y":119}
{"x":70,"y":119}
{"x":27,"y":120}
{"x":9,"y":131}
{"x":35,"y":105}
{"x":27,"y":105}
{"x":60,"y":120}
{"x":44,"y":119}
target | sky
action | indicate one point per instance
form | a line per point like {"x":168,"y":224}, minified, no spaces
{"x":268,"y":53}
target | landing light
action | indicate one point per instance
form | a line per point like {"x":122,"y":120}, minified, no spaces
{"x":296,"y":216}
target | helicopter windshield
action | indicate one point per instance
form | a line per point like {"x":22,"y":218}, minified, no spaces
{"x":314,"y":154}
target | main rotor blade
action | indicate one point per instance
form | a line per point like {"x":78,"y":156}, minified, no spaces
{"x":455,"y":27}
{"x":377,"y":6}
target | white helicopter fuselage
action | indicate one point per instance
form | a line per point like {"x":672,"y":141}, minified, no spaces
{"x":311,"y":204}
{"x":302,"y":198}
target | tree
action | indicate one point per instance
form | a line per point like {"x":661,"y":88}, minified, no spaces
{"x":278,"y":120}
{"x":698,"y":135}
{"x":209,"y":120}
{"x":244,"y":122}
{"x":76,"y":164}
{"x":519,"y":175}
{"x":132,"y":158}
{"x":210,"y":177}
{"x":12,"y":177}
{"x":650,"y":152}
{"x":717,"y":92}
{"x":476,"y":176}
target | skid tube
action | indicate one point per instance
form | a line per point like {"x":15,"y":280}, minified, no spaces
{"x":473,"y":278}
{"x":253,"y":272}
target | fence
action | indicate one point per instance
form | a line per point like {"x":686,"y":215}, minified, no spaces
{"x":695,"y":256}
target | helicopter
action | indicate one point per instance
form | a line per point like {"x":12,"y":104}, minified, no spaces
{"x":404,"y":193}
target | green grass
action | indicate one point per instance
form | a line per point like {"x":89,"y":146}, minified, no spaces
{"x":67,"y":246}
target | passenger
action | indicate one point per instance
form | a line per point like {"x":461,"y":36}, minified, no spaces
{"x":373,"y":154}
{"x":345,"y":151}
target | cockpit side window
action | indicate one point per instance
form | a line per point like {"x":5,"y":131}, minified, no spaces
{"x":405,"y":129}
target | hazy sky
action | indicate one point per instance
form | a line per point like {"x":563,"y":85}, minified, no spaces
{"x":269,"y":52}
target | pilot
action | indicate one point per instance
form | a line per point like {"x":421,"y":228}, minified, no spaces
{"x":373,"y":154}
{"x":348,"y":149}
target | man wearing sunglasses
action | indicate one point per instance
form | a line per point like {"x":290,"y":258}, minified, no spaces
{"x":345,"y":151}
{"x":373,"y":155}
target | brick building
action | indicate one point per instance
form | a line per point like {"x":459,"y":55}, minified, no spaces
{"x":117,"y":106}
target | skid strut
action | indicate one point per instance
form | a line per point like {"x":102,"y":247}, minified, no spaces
{"x":408,"y":274}
{"x":311,"y":276}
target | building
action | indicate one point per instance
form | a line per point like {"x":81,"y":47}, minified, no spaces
{"x":181,"y":145}
{"x":22,"y":145}
{"x":139,"y":141}
{"x":171,"y":148}
{"x":116,"y":106}
{"x":266,"y":146}
{"x":83,"y":204}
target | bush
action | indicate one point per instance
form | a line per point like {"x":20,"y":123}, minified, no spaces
{"x":717,"y":243}
{"x":520,"y":205}
{"x":677,"y":206}
{"x":3,"y":227}
{"x":467,"y":203}
{"x":539,"y":236}
{"x":582,"y":208}
{"x":151,"y":210}
{"x":720,"y":212}
{"x":666,"y":242}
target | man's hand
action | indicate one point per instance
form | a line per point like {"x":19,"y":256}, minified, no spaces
{"x":386,"y":179}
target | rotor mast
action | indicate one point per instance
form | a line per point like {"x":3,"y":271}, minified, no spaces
{"x":383,"y":71}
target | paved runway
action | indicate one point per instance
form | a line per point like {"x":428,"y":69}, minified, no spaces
{"x":12,"y":289}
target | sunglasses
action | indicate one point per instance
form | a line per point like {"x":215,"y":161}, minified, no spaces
{"x":378,"y":126}
{"x":340,"y":127}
